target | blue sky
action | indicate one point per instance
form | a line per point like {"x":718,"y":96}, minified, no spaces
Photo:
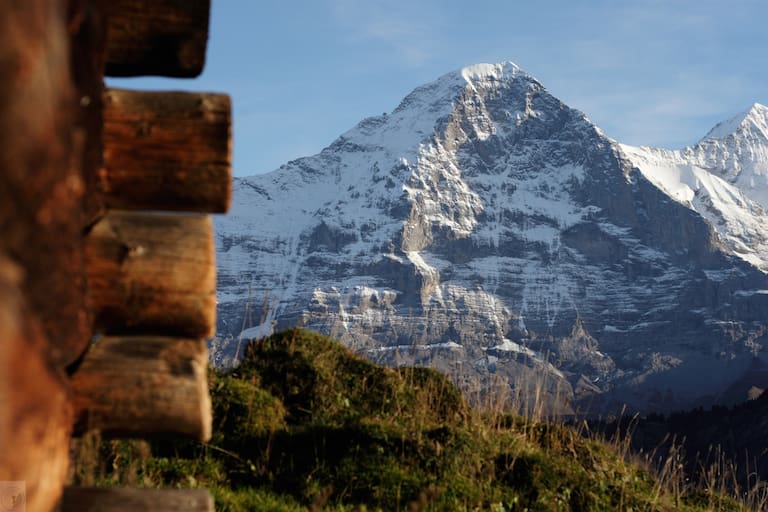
{"x":649,"y":72}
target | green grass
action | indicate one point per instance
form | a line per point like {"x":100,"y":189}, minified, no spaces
{"x":303,"y":424}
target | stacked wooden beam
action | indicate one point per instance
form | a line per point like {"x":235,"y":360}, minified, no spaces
{"x":107,"y":272}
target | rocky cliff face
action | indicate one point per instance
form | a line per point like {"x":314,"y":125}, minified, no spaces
{"x":487,"y":229}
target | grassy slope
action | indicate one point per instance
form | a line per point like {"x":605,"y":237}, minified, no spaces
{"x":304,"y":424}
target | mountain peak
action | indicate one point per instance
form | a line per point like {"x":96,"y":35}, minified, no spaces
{"x":416,"y":117}
{"x":497,"y":71}
{"x":753,"y":119}
{"x":447,"y":88}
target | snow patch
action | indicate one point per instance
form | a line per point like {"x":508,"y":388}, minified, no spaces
{"x":749,"y":293}
{"x":256,"y":332}
{"x":510,"y":346}
{"x":738,"y":219}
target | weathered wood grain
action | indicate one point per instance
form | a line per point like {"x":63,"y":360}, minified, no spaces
{"x":35,"y":411}
{"x":152,"y":274}
{"x":92,"y":499}
{"x":41,"y":187}
{"x":167,"y":151}
{"x":144,"y":385}
{"x":87,"y":29}
{"x":157,"y":37}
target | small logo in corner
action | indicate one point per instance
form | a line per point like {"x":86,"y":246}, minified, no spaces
{"x":13,"y":496}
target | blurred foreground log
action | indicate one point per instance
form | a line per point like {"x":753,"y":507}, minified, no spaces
{"x":144,"y":385}
{"x":167,"y":151}
{"x":152,"y":274}
{"x":35,"y":412}
{"x":41,"y":186}
{"x":87,"y":28}
{"x":44,"y":324}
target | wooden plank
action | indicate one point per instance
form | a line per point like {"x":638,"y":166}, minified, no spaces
{"x":152,"y":274}
{"x":167,"y":151}
{"x":35,"y":412}
{"x":41,"y":186}
{"x":144,"y":385}
{"x":93,"y":499}
{"x":157,"y":37}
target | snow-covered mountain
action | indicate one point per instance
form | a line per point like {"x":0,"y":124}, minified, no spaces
{"x":487,"y":229}
{"x":724,"y":178}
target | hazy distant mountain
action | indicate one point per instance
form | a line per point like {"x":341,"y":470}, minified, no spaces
{"x":488,"y":229}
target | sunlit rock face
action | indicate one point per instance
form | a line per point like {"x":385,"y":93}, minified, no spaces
{"x":487,"y":229}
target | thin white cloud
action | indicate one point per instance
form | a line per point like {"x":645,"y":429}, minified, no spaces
{"x":395,"y":25}
{"x":672,"y":114}
{"x":652,"y":72}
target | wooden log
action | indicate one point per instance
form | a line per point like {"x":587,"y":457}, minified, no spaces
{"x":35,"y":411}
{"x":41,"y":186}
{"x":167,"y":151}
{"x":152,"y":274}
{"x":144,"y":386}
{"x":157,"y":37}
{"x":93,"y":499}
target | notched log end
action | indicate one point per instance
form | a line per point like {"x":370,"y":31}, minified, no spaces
{"x":157,"y":37}
{"x":167,"y":151}
{"x":149,"y":386}
{"x":166,"y":285}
